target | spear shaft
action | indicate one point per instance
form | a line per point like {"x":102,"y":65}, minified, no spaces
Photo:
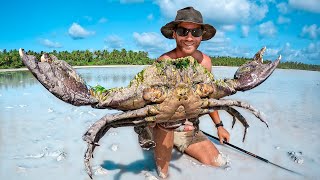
{"x":253,"y":155}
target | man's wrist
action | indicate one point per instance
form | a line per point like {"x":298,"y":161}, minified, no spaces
{"x":220,"y":124}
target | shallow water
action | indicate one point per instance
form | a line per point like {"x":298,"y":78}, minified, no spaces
{"x":36,"y":127}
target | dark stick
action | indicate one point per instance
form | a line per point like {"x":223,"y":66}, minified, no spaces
{"x":251,"y":154}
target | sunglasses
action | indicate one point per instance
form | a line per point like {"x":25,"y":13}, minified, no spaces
{"x":196,"y":32}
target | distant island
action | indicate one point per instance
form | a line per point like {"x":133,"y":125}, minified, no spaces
{"x":11,"y":59}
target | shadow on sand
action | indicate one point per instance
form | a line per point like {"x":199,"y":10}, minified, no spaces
{"x":145,"y":164}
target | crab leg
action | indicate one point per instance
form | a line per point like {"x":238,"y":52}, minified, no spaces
{"x":237,"y":115}
{"x":212,"y":103}
{"x":98,"y":129}
{"x":234,"y":113}
{"x":113,"y":120}
{"x":91,"y":146}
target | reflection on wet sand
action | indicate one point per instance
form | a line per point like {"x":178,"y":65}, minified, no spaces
{"x":110,"y":76}
{"x":16,"y":79}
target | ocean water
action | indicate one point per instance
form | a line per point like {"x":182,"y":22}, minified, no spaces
{"x":41,"y":136}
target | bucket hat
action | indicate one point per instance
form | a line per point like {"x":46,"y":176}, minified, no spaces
{"x":188,"y":14}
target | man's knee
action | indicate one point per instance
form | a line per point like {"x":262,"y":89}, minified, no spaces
{"x":206,"y":160}
{"x":216,"y":161}
{"x":206,"y":153}
{"x":219,"y":161}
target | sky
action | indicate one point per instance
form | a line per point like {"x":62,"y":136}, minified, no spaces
{"x":290,"y":28}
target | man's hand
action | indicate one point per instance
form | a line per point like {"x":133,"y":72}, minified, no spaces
{"x":223,"y":134}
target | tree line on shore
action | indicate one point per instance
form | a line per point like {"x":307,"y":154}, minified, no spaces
{"x":11,"y":59}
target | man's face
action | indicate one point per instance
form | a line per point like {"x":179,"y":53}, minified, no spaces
{"x":187,"y":44}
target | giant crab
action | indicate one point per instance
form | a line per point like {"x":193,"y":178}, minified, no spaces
{"x":169,"y":91}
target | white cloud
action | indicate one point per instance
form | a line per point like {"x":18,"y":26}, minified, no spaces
{"x":312,"y":31}
{"x":272,"y":53}
{"x":220,"y":39}
{"x":216,"y":45}
{"x":267,"y":1}
{"x":218,"y":11}
{"x":151,"y":42}
{"x":150,"y":39}
{"x":245,"y":30}
{"x":309,"y":54}
{"x":267,"y":29}
{"x":114,"y":42}
{"x":228,"y":27}
{"x":312,"y":52}
{"x":88,"y":18}
{"x":131,"y":1}
{"x":78,"y":32}
{"x":258,"y":13}
{"x":103,"y":20}
{"x":50,"y":44}
{"x":283,"y":8}
{"x":150,"y":17}
{"x":240,"y":51}
{"x":313,"y":47}
{"x":307,"y":5}
{"x":283,"y":20}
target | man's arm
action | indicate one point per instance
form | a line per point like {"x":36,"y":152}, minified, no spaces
{"x":222,"y":132}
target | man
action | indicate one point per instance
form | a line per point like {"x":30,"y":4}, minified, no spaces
{"x":188,"y":30}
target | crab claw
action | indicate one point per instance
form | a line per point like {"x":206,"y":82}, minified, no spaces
{"x":253,"y":73}
{"x":59,"y":78}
